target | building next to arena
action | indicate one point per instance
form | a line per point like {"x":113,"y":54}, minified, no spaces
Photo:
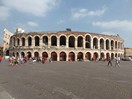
{"x":65,"y":45}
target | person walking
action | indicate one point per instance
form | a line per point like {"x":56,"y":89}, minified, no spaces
{"x":117,"y":60}
{"x":109,"y":61}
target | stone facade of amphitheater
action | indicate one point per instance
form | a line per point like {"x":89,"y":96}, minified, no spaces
{"x":66,"y":45}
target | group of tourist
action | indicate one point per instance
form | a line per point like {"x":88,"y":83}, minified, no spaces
{"x":21,"y":60}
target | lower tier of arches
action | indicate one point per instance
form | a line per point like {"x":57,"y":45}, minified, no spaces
{"x":68,"y":55}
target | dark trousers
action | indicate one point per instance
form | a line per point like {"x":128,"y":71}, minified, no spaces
{"x":109,"y":62}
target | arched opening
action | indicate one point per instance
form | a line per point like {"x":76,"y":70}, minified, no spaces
{"x":45,"y":40}
{"x":71,"y":56}
{"x":95,"y":43}
{"x":112,"y":55}
{"x":29,"y":41}
{"x":62,"y":41}
{"x":18,"y":41}
{"x":115,"y":44}
{"x":13,"y":54}
{"x":17,"y":54}
{"x":107,"y":44}
{"x":80,"y":41}
{"x":22,"y":54}
{"x":71,"y":41}
{"x":95,"y":56}
{"x":88,"y":41}
{"x":62,"y":56}
{"x":88,"y":56}
{"x":107,"y":55}
{"x":115,"y":54}
{"x":45,"y":54}
{"x":112,"y":45}
{"x":29,"y":55}
{"x":53,"y":41}
{"x":119,"y":55}
{"x":36,"y":54}
{"x":23,"y":41}
{"x":102,"y":56}
{"x":14,"y":41}
{"x":101,"y":44}
{"x":36,"y":41}
{"x":80,"y":56}
{"x":54,"y":56}
{"x":7,"y":53}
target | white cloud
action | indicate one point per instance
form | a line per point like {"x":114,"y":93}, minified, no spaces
{"x":4,"y":13}
{"x":108,"y":33}
{"x":116,"y":24}
{"x":32,"y":24}
{"x":34,"y":7}
{"x":85,"y":12}
{"x":61,"y":21}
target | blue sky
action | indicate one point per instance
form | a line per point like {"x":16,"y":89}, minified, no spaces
{"x":99,"y":16}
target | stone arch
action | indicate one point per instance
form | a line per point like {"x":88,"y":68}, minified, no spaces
{"x":88,"y":41}
{"x":13,"y":54}
{"x":112,"y":55}
{"x":18,"y":41}
{"x":45,"y":54}
{"x":101,"y":43}
{"x":95,"y":43}
{"x":71,"y":41}
{"x":37,"y":40}
{"x":45,"y":40}
{"x":62,"y":40}
{"x":29,"y":55}
{"x":102,"y":56}
{"x":88,"y":56}
{"x":23,"y":41}
{"x":107,"y":55}
{"x":79,"y":41}
{"x":115,"y":44}
{"x":22,"y":54}
{"x":71,"y":56}
{"x":62,"y":56}
{"x":95,"y":56}
{"x":53,"y":41}
{"x":36,"y":54}
{"x":29,"y":41}
{"x":54,"y":56}
{"x":17,"y":54}
{"x":14,"y":41}
{"x":80,"y":56}
{"x":112,"y":45}
{"x":107,"y":44}
{"x":115,"y":54}
{"x":7,"y":53}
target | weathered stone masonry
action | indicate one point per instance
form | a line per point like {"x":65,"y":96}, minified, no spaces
{"x":66,"y":45}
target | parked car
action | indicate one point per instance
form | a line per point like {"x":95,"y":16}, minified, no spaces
{"x":127,"y":59}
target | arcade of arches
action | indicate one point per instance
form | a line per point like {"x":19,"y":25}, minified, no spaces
{"x":66,"y":46}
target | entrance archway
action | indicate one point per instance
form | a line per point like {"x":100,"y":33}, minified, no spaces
{"x":45,"y":54}
{"x":80,"y":56}
{"x":54,"y":56}
{"x":62,"y":56}
{"x":95,"y":56}
{"x":29,"y":55}
{"x":36,"y":54}
{"x":71,"y":56}
{"x":88,"y":56}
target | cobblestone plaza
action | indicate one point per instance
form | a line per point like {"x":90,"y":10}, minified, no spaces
{"x":67,"y":80}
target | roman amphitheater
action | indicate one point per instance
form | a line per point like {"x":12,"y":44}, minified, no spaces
{"x":66,"y":45}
